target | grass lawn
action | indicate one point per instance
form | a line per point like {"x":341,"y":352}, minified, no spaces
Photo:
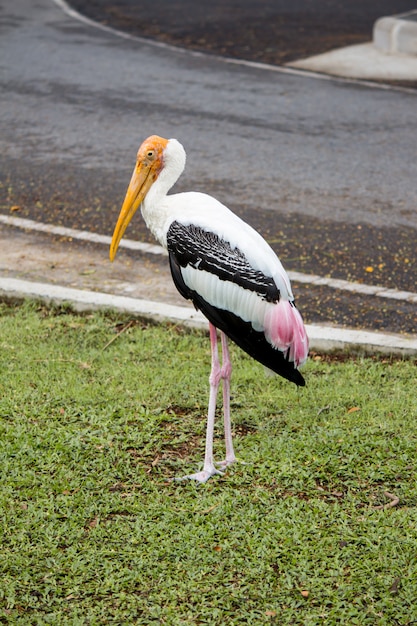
{"x":94,"y":532}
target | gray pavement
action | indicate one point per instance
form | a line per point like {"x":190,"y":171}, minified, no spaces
{"x":77,"y":100}
{"x":362,"y":61}
{"x":82,"y":98}
{"x":271,"y":31}
{"x":391,"y":55}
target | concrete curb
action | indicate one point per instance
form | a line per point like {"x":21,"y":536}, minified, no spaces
{"x":397,"y":34}
{"x":323,"y":338}
{"x":363,"y":62}
{"x":392,"y":54}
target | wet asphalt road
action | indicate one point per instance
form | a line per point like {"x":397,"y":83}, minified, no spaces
{"x":325,"y":169}
{"x":271,"y":31}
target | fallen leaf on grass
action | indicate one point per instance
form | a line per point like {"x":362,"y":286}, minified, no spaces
{"x":211,"y":508}
{"x":394,"y":501}
{"x":124,"y":328}
{"x":353,"y":409}
{"x":324,"y":408}
{"x":305,"y":593}
{"x":92,"y":523}
{"x":394,"y":587}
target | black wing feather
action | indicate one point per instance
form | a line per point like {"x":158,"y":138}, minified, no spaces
{"x":204,"y":250}
{"x":192,"y":245}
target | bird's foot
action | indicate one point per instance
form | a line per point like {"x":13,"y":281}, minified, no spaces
{"x":203,"y":476}
{"x":226,"y":462}
{"x":223,"y":464}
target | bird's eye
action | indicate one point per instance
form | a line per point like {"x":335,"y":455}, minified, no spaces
{"x":150,"y":154}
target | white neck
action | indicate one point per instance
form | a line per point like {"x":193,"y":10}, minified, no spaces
{"x":153,"y":209}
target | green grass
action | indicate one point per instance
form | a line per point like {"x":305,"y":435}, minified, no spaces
{"x":94,"y":532}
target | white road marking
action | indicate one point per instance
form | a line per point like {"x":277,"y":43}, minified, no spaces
{"x":310,"y":279}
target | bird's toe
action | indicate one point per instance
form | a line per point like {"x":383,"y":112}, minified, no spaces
{"x":227,"y":461}
{"x":201,"y":477}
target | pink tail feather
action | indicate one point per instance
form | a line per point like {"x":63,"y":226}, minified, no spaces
{"x":284,"y":329}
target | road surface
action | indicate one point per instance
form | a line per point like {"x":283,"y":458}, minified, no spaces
{"x":324,"y":168}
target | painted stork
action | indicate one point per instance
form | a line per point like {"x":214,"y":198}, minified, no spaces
{"x":225,"y":268}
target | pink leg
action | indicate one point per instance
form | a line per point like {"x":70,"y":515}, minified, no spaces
{"x":226,"y":372}
{"x":215,"y":377}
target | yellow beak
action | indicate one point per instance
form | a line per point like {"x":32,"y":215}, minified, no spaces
{"x":144,"y":175}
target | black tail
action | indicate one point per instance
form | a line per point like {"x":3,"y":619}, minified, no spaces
{"x":252,"y":342}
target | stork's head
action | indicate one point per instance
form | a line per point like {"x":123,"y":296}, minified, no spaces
{"x":155,"y":154}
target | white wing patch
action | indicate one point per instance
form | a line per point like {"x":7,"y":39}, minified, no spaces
{"x":227,"y":296}
{"x":280,"y":321}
